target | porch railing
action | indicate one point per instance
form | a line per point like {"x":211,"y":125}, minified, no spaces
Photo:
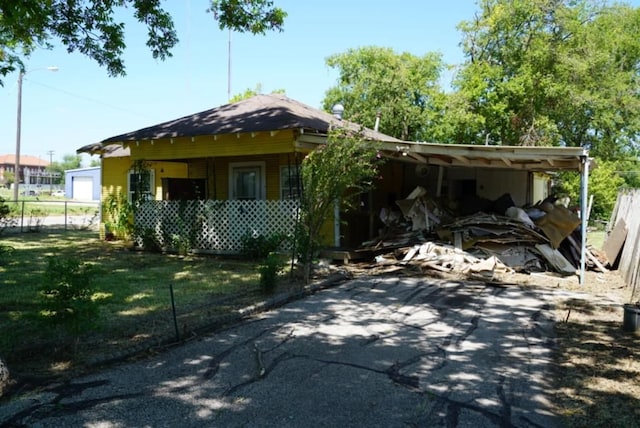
{"x":212,"y":225}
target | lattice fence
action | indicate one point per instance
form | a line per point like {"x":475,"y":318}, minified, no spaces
{"x":213,"y":226}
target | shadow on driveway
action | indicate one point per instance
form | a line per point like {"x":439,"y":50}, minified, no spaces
{"x":390,"y":351}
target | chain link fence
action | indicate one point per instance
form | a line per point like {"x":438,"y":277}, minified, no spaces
{"x":52,"y":215}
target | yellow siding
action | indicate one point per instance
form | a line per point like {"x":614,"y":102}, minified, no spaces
{"x":208,"y":145}
{"x":115,"y":174}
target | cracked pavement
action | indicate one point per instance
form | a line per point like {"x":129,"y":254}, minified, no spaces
{"x":379,"y":351}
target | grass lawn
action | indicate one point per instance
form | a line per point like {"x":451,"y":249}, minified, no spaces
{"x":133,"y":288}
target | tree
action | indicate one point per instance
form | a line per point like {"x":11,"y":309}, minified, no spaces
{"x":337,"y":171}
{"x":90,"y":27}
{"x":9,"y":178}
{"x":604,"y":184}
{"x":549,"y":72}
{"x":68,"y":162}
{"x":248,"y":93}
{"x":402,"y":88}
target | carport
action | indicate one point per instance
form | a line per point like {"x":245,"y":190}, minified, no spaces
{"x":440,"y":157}
{"x":532,"y":159}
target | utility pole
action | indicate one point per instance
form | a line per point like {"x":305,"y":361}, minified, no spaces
{"x":16,"y":180}
{"x":50,"y":153}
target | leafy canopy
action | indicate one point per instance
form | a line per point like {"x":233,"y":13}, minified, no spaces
{"x":90,"y":27}
{"x":549,"y":72}
{"x":401,"y":88}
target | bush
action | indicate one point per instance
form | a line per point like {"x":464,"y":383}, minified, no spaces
{"x":5,"y":253}
{"x":604,"y":184}
{"x":256,"y":247}
{"x":7,"y":216}
{"x":269,"y":271}
{"x":67,"y":293}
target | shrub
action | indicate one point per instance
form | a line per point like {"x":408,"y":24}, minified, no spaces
{"x":256,"y":247}
{"x":7,"y":215}
{"x":5,"y":253}
{"x":120,"y":212}
{"x":269,"y":270}
{"x":67,"y":293}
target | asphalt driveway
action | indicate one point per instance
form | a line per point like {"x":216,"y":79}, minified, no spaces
{"x":371,"y":352}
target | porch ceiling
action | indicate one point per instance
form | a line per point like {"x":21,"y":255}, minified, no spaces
{"x":459,"y":155}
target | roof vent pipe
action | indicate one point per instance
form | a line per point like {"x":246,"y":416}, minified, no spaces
{"x":377,"y":125}
{"x":337,"y":111}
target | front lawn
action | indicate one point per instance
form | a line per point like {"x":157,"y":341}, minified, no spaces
{"x":133,"y":289}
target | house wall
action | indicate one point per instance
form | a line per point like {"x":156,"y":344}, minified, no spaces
{"x":257,"y":143}
{"x":192,"y":159}
{"x":490,"y":183}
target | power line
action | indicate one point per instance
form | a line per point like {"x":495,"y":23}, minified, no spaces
{"x":90,"y":99}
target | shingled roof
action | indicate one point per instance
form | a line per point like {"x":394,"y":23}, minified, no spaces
{"x":272,"y":112}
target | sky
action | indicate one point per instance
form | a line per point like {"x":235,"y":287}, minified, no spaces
{"x":80,"y":104}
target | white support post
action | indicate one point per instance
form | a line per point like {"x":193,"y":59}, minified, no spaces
{"x":584,"y":191}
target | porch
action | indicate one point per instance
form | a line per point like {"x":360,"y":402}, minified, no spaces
{"x":212,"y":226}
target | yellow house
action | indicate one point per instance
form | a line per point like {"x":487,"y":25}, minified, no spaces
{"x":213,"y":176}
{"x":239,"y":153}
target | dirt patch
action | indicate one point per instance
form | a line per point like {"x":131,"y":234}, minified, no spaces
{"x":598,"y":377}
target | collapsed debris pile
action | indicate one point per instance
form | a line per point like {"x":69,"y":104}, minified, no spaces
{"x":501,"y":238}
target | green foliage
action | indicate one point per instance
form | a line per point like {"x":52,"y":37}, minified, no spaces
{"x":67,"y":294}
{"x":254,"y":16}
{"x":254,"y":246}
{"x":604,"y":184}
{"x":248,"y":93}
{"x":120,"y":212}
{"x":91,"y":27}
{"x":149,"y":240}
{"x":68,"y":162}
{"x":402,"y":88}
{"x":336,"y":172}
{"x":5,"y":253}
{"x":269,"y":270}
{"x":8,"y":216}
{"x":549,"y":73}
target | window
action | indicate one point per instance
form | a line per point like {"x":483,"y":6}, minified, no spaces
{"x":246,"y":181}
{"x":141,"y":185}
{"x":290,"y":182}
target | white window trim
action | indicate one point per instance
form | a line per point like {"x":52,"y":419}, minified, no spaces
{"x":152,"y":183}
{"x":262,"y":191}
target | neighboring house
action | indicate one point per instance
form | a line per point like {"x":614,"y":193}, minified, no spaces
{"x":239,"y":164}
{"x":83,"y":184}
{"x":33,"y":171}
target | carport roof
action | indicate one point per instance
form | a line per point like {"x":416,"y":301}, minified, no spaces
{"x":506,"y":157}
{"x":526,"y":158}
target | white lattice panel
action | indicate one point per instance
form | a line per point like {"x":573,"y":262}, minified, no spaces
{"x":215,"y":226}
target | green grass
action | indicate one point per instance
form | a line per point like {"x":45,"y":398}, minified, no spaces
{"x":133,"y":288}
{"x":596,"y":238}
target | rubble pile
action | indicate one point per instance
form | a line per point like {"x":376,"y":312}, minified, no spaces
{"x":501,"y":239}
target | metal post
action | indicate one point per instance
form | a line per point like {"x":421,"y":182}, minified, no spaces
{"x":584,"y":188}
